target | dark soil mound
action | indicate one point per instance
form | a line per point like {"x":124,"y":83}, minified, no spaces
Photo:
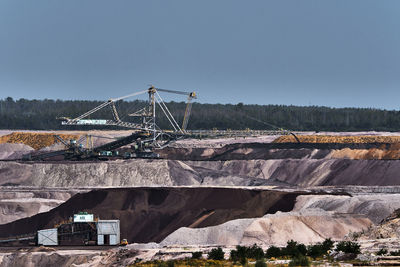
{"x":150,"y":214}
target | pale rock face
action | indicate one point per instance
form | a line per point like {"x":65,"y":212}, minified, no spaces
{"x":144,"y":172}
{"x":229,"y":233}
{"x":100,"y":174}
{"x":309,"y":227}
{"x":376,"y":207}
{"x":273,"y":229}
{"x":17,"y":203}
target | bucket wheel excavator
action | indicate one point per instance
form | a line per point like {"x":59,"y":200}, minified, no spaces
{"x":146,"y":134}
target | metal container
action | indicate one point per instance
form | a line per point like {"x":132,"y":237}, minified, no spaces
{"x":48,"y":237}
{"x":108,"y":232}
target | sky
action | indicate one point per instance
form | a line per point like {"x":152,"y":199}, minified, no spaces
{"x":337,"y":53}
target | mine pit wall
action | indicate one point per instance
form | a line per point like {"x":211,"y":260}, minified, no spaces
{"x":141,"y":172}
{"x":267,"y":150}
{"x":85,"y":174}
{"x":19,"y":202}
{"x":223,"y":216}
{"x":151,"y":214}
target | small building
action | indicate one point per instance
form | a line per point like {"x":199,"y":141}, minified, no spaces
{"x":48,"y":237}
{"x":108,"y":232}
{"x":82,"y":229}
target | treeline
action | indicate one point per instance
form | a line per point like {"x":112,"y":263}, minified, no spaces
{"x":43,"y":114}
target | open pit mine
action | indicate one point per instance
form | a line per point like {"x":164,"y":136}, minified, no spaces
{"x":127,"y":197}
{"x":200,"y":194}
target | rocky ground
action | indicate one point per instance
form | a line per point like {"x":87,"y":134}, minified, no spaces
{"x":205,"y":193}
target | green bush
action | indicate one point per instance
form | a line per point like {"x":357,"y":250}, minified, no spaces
{"x":320,"y":249}
{"x":382,"y":251}
{"x":197,"y":255}
{"x":348,"y":247}
{"x":273,"y":252}
{"x":299,"y":260}
{"x":327,"y":244}
{"x":255,"y":252}
{"x":243,"y":261}
{"x":234,"y":256}
{"x":242,"y":252}
{"x":216,"y":254}
{"x":294,"y":249}
{"x":316,"y":251}
{"x":260,"y":263}
{"x":395,"y":253}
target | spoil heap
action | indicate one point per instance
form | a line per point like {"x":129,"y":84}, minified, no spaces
{"x":35,"y":140}
{"x":151,"y":214}
{"x":388,"y":228}
{"x":361,"y":139}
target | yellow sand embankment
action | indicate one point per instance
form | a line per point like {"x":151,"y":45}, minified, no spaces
{"x":35,"y":140}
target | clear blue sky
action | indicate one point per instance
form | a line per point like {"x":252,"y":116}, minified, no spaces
{"x":333,"y":53}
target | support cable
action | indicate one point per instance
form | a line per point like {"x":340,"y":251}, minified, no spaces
{"x":166,"y":115}
{"x":172,"y":117}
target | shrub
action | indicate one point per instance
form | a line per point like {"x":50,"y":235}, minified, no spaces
{"x":299,"y":260}
{"x":234,"y":255}
{"x":327,"y":244}
{"x":238,"y":254}
{"x":348,"y":247}
{"x":316,"y":251}
{"x":255,"y":252}
{"x":395,"y":253}
{"x":294,"y":249}
{"x":216,"y":254}
{"x":382,"y":251}
{"x":320,"y":249}
{"x":273,"y":252}
{"x":197,"y":255}
{"x":242,"y":252}
{"x":260,"y":263}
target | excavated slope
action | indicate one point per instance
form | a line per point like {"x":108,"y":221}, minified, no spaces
{"x":310,"y":172}
{"x":313,"y":218}
{"x":374,"y":206}
{"x":388,"y":228}
{"x":151,"y":214}
{"x":18,"y":203}
{"x":139,"y":172}
{"x":143,"y":172}
{"x":344,"y":139}
{"x":86,"y":174}
{"x":35,"y":140}
{"x":273,"y":229}
{"x":13,"y":151}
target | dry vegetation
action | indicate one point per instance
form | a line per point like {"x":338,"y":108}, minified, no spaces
{"x":35,"y":140}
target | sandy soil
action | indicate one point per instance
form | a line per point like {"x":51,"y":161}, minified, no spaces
{"x":150,"y":214}
{"x":204,"y":216}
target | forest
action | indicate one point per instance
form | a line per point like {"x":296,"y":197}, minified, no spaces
{"x":44,"y":114}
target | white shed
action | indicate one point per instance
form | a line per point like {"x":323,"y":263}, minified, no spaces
{"x":108,"y":232}
{"x":48,"y":237}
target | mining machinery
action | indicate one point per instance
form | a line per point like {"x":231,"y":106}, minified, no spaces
{"x":145,"y":137}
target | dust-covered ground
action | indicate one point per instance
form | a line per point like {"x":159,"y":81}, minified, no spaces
{"x":205,"y":193}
